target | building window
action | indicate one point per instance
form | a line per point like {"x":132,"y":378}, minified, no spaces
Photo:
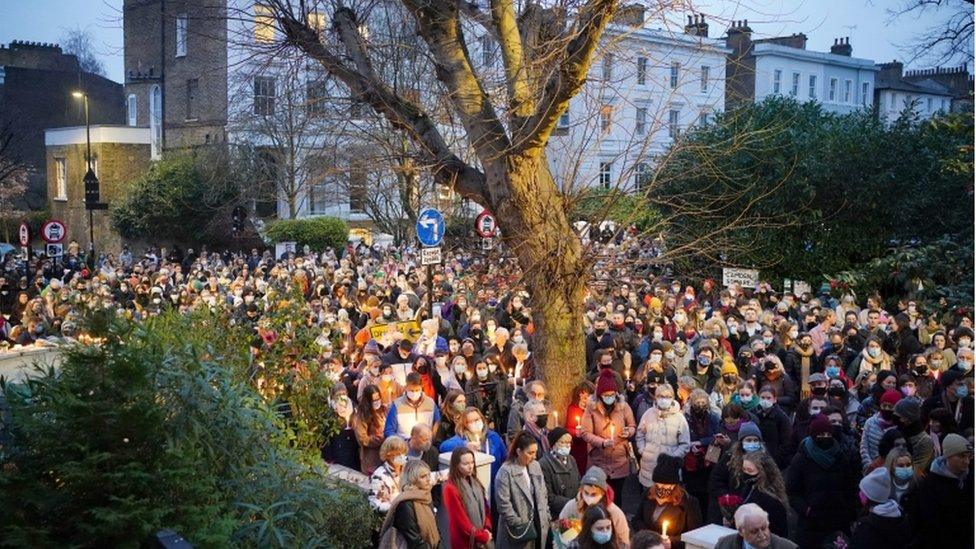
{"x":606,"y":118}
{"x":357,"y":187}
{"x":642,"y":176}
{"x":865,"y":93}
{"x":675,"y":68}
{"x":943,"y":109}
{"x":893,"y":101}
{"x":605,"y":174}
{"x":813,"y":87}
{"x":795,"y":85}
{"x":607,"y":66}
{"x":192,"y":88}
{"x":704,"y":78}
{"x":704,"y":117}
{"x":777,"y":80}
{"x":319,"y":199}
{"x":155,"y":123}
{"x":264,"y":95}
{"x":848,"y":86}
{"x":563,"y":120}
{"x":60,"y":179}
{"x":486,"y":51}
{"x":315,"y":97}
{"x":264,"y":30}
{"x":832,"y":91}
{"x":641,"y":71}
{"x":181,"y":35}
{"x":131,"y":109}
{"x":928,"y":104}
{"x":673,"y":117}
{"x":640,"y":125}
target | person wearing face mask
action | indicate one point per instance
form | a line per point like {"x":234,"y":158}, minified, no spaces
{"x":703,"y":425}
{"x":597,"y":530}
{"x":486,"y":390}
{"x":535,"y":423}
{"x":574,"y":421}
{"x":368,"y":423}
{"x":473,"y":431}
{"x":872,"y":358}
{"x":678,"y":355}
{"x":726,"y":386}
{"x":560,"y":470}
{"x":410,"y":409}
{"x":801,"y":361}
{"x":922,"y":375}
{"x":953,"y":396}
{"x":774,"y":425}
{"x":941,"y":505}
{"x":876,"y":425}
{"x":342,"y":449}
{"x":908,"y":418}
{"x":822,"y":486}
{"x":882,"y":523}
{"x":598,"y":339}
{"x":898,"y":463}
{"x":667,"y":501}
{"x":703,"y":369}
{"x":595,"y":492}
{"x":384,"y":483}
{"x":964,"y":361}
{"x":717,"y":329}
{"x":770,"y":373}
{"x":454,"y":404}
{"x":760,"y":482}
{"x":805,"y":414}
{"x":663,"y":430}
{"x":607,"y":427}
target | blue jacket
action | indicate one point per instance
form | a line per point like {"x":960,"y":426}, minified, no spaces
{"x":496,"y":447}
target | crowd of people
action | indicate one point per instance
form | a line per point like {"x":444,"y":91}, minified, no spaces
{"x":805,"y":420}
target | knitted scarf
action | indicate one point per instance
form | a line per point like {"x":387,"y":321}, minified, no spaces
{"x":804,"y":368}
{"x":420,"y":499}
{"x":473,"y":498}
{"x":824,"y":458}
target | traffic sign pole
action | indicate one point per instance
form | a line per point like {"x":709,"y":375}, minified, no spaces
{"x":430,"y":232}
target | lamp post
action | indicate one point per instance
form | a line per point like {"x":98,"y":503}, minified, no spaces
{"x":91,"y":182}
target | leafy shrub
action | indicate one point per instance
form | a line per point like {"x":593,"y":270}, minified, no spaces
{"x":318,"y":233}
{"x":155,"y":429}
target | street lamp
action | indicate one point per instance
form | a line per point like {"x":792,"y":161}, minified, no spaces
{"x":91,"y":182}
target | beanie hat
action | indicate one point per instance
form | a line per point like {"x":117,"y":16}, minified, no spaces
{"x":728,"y":367}
{"x":820,"y":425}
{"x":655,"y":346}
{"x":556,"y":434}
{"x":666,"y":470}
{"x":371,"y":348}
{"x":749,"y":429}
{"x":890,"y":396}
{"x":606,"y":383}
{"x":595,"y":477}
{"x":877,"y":485}
{"x":909,"y":409}
{"x":816,"y":377}
{"x":954,"y":444}
{"x":949,"y":377}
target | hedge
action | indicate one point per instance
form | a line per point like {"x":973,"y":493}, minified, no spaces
{"x":318,"y":232}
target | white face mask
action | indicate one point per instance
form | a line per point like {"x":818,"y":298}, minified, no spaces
{"x":664,"y":403}
{"x":476,"y":426}
{"x":386,"y":378}
{"x":591,"y":500}
{"x":400,"y":460}
{"x":441,"y":361}
{"x":655,"y":358}
{"x":460,"y":369}
{"x":414,"y":396}
{"x":377,"y":404}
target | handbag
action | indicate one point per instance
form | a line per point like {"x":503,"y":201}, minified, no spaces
{"x":526,"y":535}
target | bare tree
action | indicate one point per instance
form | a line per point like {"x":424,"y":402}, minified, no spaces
{"x":950,"y":39}
{"x":79,"y":42}
{"x":13,"y":182}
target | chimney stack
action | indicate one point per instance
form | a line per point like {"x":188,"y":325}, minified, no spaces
{"x":697,"y":26}
{"x":842,"y":46}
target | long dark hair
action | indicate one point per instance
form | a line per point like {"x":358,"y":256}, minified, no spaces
{"x":454,"y":475}
{"x":372,"y":417}
{"x":522,"y":441}
{"x":590,"y":517}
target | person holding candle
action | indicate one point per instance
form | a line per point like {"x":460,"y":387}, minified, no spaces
{"x":608,"y":424}
{"x":663,"y":430}
{"x":473,"y":432}
{"x":342,"y":449}
{"x":666,"y":506}
{"x":368,"y":425}
{"x":574,"y":422}
{"x":595,"y":492}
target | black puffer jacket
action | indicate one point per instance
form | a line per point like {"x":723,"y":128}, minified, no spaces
{"x":823,"y":498}
{"x":877,"y":532}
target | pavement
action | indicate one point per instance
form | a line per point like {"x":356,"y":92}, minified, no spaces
{"x":15,"y":364}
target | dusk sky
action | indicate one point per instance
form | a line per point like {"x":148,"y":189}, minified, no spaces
{"x":873,"y":34}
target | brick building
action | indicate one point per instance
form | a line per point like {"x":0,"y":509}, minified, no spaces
{"x":120,"y":154}
{"x":36,"y":82}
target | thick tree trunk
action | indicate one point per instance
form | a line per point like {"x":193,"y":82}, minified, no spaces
{"x":535,"y":227}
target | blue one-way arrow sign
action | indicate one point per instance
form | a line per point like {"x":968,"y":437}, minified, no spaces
{"x":430,"y":227}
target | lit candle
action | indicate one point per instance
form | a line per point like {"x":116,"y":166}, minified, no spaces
{"x":612,"y":429}
{"x":579,"y":422}
{"x":627,"y":373}
{"x":555,"y":419}
{"x":664,"y":529}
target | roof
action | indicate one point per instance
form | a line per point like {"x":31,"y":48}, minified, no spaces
{"x":767,"y":48}
{"x":928,"y":86}
{"x":671,"y":38}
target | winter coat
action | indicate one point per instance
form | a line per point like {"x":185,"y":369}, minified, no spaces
{"x":492,"y":444}
{"x":621,"y":529}
{"x":562,"y":480}
{"x":519,"y":505}
{"x":459,"y":523}
{"x":874,"y":429}
{"x":682,"y":517}
{"x":383,"y":488}
{"x":734,"y":541}
{"x":875,"y":531}
{"x":407,"y":526}
{"x":613,"y":459}
{"x":774,"y":425}
{"x":940,"y":509}
{"x":659,"y":433}
{"x":369,"y":443}
{"x":824,"y":499}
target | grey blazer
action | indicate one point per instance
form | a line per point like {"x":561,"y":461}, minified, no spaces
{"x":515,"y":501}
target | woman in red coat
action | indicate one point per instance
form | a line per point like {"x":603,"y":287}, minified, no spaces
{"x":466,"y":501}
{"x":574,"y":420}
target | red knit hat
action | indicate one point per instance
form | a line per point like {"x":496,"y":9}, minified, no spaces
{"x":606,"y":383}
{"x":890,"y":396}
{"x":819,"y":425}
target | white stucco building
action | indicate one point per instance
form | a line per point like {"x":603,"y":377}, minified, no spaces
{"x":925,"y":97}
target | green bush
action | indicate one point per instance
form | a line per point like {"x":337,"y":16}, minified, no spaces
{"x":156,"y":429}
{"x":318,"y":233}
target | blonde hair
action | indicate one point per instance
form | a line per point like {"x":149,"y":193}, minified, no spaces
{"x":392,"y":445}
{"x":413,"y":471}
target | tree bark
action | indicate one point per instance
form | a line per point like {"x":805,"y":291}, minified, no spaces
{"x":535,"y":227}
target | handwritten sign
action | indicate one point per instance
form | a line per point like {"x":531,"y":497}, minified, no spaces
{"x":747,"y":278}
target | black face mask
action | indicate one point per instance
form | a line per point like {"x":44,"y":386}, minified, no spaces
{"x":599,"y":332}
{"x":749,"y":479}
{"x":819,"y":391}
{"x":541,"y":421}
{"x":824,"y":443}
{"x":729,"y":379}
{"x":422,"y":368}
{"x":759,"y":353}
